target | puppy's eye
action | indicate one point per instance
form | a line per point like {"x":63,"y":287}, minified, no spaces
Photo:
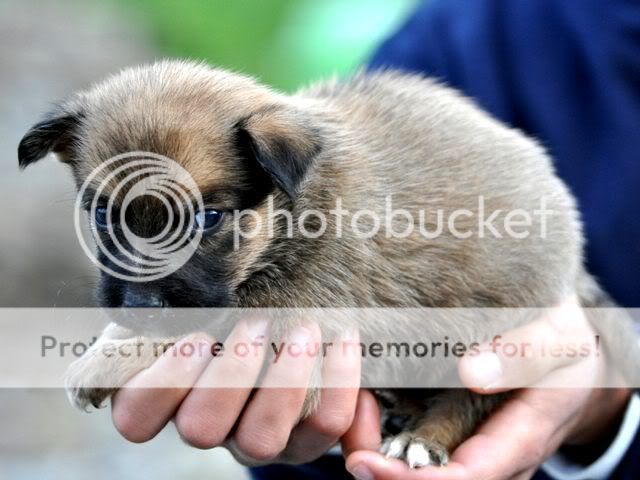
{"x":207,"y":219}
{"x":101,"y":217}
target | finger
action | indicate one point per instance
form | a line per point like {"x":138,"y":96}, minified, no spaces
{"x":341,"y":373}
{"x":526,"y":355}
{"x":144,"y":405}
{"x":367,"y":465}
{"x":266,"y":424}
{"x":364,"y":433}
{"x":211,"y":408}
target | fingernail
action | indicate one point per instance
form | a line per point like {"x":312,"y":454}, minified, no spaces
{"x":349,"y":335}
{"x":486,"y":369}
{"x":300,"y":336}
{"x":185,"y":343}
{"x":361,"y":472}
{"x":192,"y":351}
{"x":198,"y":338}
{"x":257,"y":327}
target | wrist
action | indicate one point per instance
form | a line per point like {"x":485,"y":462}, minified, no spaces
{"x":559,"y":467}
{"x":598,"y":424}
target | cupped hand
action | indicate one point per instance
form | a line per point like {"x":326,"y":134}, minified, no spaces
{"x":213,"y":403}
{"x":528,"y":428}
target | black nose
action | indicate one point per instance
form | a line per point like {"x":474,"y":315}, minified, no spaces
{"x":141,"y":299}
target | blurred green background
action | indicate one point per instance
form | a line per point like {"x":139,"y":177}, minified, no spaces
{"x":286,"y":43}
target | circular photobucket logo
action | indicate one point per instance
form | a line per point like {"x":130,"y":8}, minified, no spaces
{"x":108,"y":193}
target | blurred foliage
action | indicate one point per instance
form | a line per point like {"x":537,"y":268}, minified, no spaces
{"x":285,"y":43}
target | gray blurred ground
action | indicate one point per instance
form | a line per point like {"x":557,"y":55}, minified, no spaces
{"x":48,"y":49}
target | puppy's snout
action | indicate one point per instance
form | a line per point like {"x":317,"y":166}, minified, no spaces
{"x":141,"y":299}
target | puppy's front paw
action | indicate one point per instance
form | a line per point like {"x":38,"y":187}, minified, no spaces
{"x":416,"y":451}
{"x":99,"y":373}
{"x":82,"y":397}
{"x":88,"y":382}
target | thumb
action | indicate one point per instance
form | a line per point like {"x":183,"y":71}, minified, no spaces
{"x":364,"y":433}
{"x":526,"y":355}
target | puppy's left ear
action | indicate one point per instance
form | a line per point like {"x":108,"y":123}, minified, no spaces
{"x":283,"y":142}
{"x":55,"y":133}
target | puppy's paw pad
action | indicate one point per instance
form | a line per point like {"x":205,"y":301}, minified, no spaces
{"x":416,"y":451}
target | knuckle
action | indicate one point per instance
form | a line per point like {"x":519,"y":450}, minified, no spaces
{"x":198,"y":431}
{"x":534,"y":455}
{"x":261,"y":448}
{"x":536,"y":446}
{"x":128,"y":423}
{"x":332,"y":425}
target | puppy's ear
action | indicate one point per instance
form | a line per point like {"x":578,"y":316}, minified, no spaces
{"x":53,"y":134}
{"x":282,"y":142}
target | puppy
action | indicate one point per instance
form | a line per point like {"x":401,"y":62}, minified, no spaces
{"x":361,"y":140}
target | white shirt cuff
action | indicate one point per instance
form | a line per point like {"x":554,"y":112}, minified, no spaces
{"x":558,"y":468}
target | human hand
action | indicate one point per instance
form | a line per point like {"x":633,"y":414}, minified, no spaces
{"x":527,"y":429}
{"x":257,"y":425}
